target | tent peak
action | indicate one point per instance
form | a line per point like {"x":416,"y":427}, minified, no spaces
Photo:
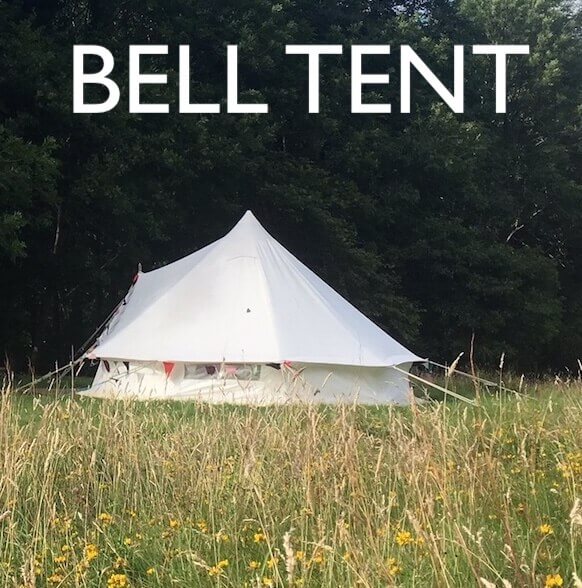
{"x":248,"y":216}
{"x":250,"y":225}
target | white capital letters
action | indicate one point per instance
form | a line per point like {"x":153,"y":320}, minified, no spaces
{"x":136,"y":79}
{"x":80,"y":78}
{"x":185,"y":106}
{"x":501,"y":52}
{"x":359,"y":79}
{"x":232,"y":86}
{"x":314,"y":51}
{"x":409,"y":57}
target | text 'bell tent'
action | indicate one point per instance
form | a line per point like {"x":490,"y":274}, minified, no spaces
{"x":243,"y":321}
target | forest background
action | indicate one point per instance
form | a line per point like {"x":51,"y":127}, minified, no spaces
{"x":443,"y":228}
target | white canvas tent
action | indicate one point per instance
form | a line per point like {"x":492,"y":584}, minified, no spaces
{"x":243,"y":321}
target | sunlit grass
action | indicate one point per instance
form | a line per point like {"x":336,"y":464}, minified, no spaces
{"x":119,"y":494}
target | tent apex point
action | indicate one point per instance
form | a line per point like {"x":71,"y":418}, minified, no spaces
{"x":249,"y":216}
{"x":249,"y":224}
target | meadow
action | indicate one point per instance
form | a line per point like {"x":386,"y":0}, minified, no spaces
{"x":123,"y":494}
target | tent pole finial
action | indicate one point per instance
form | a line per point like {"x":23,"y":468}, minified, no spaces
{"x":139,"y":268}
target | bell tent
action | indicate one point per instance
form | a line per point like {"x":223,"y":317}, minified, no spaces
{"x":243,"y":321}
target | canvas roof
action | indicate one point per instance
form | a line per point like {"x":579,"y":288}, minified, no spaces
{"x":244,"y":299}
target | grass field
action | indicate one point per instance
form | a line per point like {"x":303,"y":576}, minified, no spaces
{"x":117,"y":494}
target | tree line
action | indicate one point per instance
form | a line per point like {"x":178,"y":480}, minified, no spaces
{"x":443,"y":228}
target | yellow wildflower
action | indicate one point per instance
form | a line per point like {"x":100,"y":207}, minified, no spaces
{"x":554,"y":581}
{"x":118,"y":581}
{"x":81,"y":567}
{"x":222,"y":536}
{"x":254,"y":565}
{"x":174,"y":524}
{"x":222,"y":564}
{"x":55,"y":579}
{"x":300,"y":555}
{"x":546,"y":529}
{"x":64,"y":523}
{"x":105,"y":518}
{"x":214,"y":571}
{"x":128,"y":541}
{"x":572,"y":466}
{"x":268,"y":581}
{"x":202,"y":526}
{"x":259,"y":537}
{"x":404,"y":538}
{"x":150,"y":571}
{"x":60,"y":559}
{"x":393,"y":567}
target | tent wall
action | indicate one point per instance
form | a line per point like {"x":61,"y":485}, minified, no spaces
{"x":318,"y":383}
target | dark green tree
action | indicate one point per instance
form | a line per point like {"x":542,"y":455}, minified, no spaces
{"x":441,"y":227}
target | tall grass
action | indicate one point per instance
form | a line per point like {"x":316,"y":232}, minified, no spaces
{"x":119,"y":494}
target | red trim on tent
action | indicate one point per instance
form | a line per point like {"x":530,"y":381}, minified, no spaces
{"x":168,"y":367}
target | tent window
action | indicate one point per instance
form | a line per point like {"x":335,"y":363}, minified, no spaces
{"x":196,"y":371}
{"x":241,"y":372}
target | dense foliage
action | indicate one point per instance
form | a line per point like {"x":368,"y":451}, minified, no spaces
{"x":441,"y":227}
